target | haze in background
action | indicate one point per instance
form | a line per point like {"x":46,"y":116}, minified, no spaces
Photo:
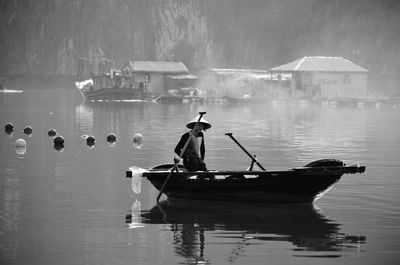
{"x":47,"y":36}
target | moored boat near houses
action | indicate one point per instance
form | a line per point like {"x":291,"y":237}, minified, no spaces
{"x":135,"y":80}
{"x":103,"y":80}
{"x":322,"y":77}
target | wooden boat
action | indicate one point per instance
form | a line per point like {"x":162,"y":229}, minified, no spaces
{"x":97,"y":80}
{"x":110,"y":93}
{"x":295,"y":185}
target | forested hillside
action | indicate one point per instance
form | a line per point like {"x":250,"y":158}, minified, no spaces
{"x":46,"y":36}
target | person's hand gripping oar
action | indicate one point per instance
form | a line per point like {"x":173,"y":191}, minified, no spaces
{"x":176,"y":161}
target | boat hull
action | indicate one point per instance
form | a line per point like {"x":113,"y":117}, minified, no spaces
{"x":111,"y":94}
{"x":297,"y":185}
{"x":284,"y":186}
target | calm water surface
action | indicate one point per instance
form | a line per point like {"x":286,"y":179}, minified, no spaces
{"x":75,"y":206}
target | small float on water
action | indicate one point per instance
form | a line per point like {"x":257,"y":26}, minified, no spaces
{"x":295,"y":185}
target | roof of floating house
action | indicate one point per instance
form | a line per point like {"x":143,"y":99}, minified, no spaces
{"x":159,"y":67}
{"x":241,"y":73}
{"x":320,"y":64}
{"x":182,"y":76}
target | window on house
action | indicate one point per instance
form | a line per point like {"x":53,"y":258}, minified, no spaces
{"x":347,"y":79}
{"x":147,"y":78}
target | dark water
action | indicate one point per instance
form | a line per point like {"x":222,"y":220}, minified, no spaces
{"x":71,"y":206}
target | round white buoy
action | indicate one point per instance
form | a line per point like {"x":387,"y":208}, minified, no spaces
{"x":51,"y":132}
{"x":111,"y":138}
{"x":138,"y":140}
{"x":84,"y":136}
{"x":28,"y":130}
{"x":20,"y":150}
{"x":20,"y":143}
{"x":9,"y":127}
{"x":58,"y":140}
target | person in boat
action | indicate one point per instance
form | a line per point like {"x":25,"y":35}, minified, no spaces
{"x":193,"y":157}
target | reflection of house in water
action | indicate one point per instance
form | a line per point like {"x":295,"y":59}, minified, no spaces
{"x":239,"y":83}
{"x":156,"y":78}
{"x":319,"y":77}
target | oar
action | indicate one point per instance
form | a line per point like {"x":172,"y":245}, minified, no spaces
{"x":180,"y":156}
{"x":253,"y":158}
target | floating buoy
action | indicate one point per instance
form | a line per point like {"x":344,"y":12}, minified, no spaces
{"x":84,"y":136}
{"x":90,"y":140}
{"x":20,"y":143}
{"x":9,"y":127}
{"x":59,"y":147}
{"x":20,"y":150}
{"x":111,"y":138}
{"x":51,"y":132}
{"x":58,"y":140}
{"x":28,"y":130}
{"x":138,"y":140}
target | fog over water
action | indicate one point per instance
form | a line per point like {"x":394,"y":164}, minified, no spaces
{"x":48,"y":36}
{"x":75,"y":205}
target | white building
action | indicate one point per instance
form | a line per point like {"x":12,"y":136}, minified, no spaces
{"x":319,"y":77}
{"x":156,"y":77}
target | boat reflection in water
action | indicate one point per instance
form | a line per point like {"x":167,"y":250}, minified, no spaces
{"x":245,"y":225}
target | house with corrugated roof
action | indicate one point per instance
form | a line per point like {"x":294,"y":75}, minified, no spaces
{"x":156,"y":77}
{"x":319,"y":77}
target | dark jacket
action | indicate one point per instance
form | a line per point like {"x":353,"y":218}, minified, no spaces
{"x":190,"y":149}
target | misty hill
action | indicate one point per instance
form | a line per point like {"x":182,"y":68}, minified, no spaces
{"x":46,"y":36}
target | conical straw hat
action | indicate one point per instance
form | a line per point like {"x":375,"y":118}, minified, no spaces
{"x":205,"y":123}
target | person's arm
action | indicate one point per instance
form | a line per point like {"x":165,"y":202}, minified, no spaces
{"x":202,"y":147}
{"x":181,"y":144}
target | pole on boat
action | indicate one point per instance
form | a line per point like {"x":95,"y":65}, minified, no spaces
{"x":180,"y":156}
{"x":253,"y":158}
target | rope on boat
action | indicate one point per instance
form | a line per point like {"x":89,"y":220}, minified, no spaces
{"x":334,"y":172}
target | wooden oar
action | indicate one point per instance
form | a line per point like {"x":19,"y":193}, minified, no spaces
{"x":253,"y":158}
{"x":175,"y":167}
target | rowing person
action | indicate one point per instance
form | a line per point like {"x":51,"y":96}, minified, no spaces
{"x":193,"y":157}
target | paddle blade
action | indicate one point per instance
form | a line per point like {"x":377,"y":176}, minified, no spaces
{"x":137,"y":173}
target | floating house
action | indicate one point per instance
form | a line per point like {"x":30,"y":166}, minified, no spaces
{"x":103,"y":80}
{"x":323,"y":77}
{"x":237,"y":83}
{"x":156,"y":77}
